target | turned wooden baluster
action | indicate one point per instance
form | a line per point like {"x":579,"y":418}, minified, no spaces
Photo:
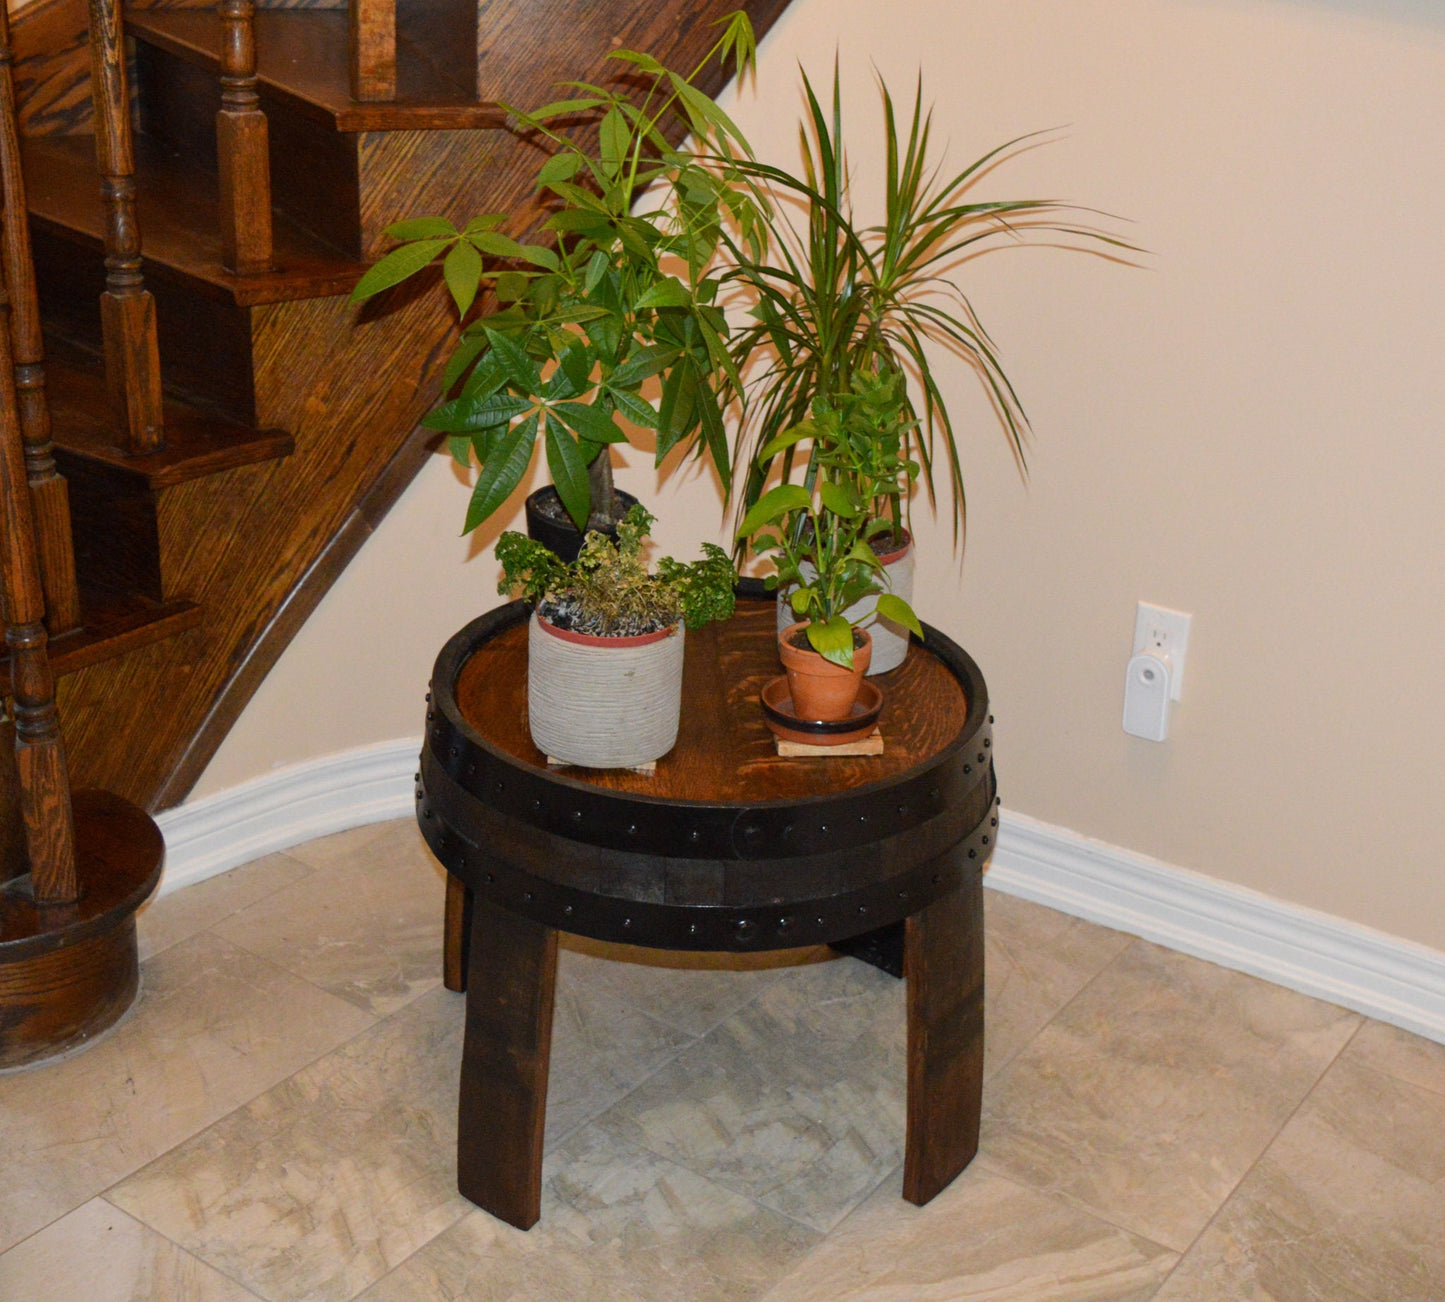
{"x":39,"y":754}
{"x":127,"y":311}
{"x":48,"y":492}
{"x":241,"y":144}
{"x":373,"y":49}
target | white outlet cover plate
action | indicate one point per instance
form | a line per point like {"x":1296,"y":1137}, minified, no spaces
{"x":1159,"y":629}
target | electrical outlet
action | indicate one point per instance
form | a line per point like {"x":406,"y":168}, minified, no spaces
{"x":1164,"y":632}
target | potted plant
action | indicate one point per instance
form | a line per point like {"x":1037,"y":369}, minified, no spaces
{"x":614,"y":301}
{"x":820,"y":535}
{"x":832,"y":299}
{"x":605,"y":643}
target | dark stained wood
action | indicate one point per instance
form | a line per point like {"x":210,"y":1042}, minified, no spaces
{"x":303,"y":64}
{"x":68,"y":973}
{"x":126,"y":624}
{"x":724,"y":749}
{"x":943,"y":965}
{"x":372,"y":48}
{"x":178,"y":210}
{"x":511,"y":985}
{"x":457,"y":941}
{"x":49,"y":499}
{"x":39,"y":752}
{"x":127,"y":311}
{"x":52,"y":68}
{"x":242,"y":147}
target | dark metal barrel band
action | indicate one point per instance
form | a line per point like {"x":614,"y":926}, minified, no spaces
{"x":694,"y":927}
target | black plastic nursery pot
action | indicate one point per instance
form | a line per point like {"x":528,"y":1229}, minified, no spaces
{"x":549,"y":524}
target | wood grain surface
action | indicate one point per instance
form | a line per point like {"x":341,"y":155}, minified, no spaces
{"x":724,"y":750}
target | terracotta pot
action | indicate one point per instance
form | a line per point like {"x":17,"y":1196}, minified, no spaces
{"x":821,"y":690}
{"x":890,"y":640}
{"x":603,"y":702}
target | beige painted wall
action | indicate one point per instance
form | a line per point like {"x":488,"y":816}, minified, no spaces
{"x":1248,"y":429}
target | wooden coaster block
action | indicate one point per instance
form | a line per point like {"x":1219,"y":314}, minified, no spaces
{"x":869,"y":745}
{"x":647,"y":770}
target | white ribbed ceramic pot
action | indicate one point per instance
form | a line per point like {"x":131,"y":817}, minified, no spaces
{"x":603,"y":702}
{"x":890,"y":640}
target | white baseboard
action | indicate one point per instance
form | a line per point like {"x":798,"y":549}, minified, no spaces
{"x":217,"y":833}
{"x":1382,"y":976}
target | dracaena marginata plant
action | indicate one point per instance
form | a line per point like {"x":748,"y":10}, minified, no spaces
{"x":613,"y":301}
{"x":832,"y":299}
{"x":819,"y":535}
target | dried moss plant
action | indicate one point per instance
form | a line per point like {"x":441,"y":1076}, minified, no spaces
{"x":608,"y":591}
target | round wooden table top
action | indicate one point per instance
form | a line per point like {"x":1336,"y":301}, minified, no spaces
{"x":724,"y":751}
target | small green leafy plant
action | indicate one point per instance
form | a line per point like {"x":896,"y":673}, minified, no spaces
{"x":614,"y":300}
{"x":820,"y":534}
{"x":608,"y":590}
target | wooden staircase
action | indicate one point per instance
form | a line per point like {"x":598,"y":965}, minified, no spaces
{"x":289,"y":420}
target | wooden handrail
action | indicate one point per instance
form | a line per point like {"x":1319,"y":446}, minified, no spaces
{"x":373,"y":50}
{"x":242,"y":146}
{"x":39,"y":752}
{"x":49,"y":493}
{"x":127,"y":310}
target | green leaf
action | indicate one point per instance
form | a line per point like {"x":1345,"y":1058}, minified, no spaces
{"x":560,"y":167}
{"x":497,"y":244}
{"x":772,"y":505}
{"x":502,"y":471}
{"x":836,"y":500}
{"x":520,"y":368}
{"x":484,"y":222}
{"x":398,"y":265}
{"x":804,"y":429}
{"x":590,"y":422}
{"x":460,"y":446}
{"x":833,"y":640}
{"x":465,"y":415}
{"x":597,"y":266}
{"x":539,"y":255}
{"x":462,"y":271}
{"x":559,"y":106}
{"x":576,"y":220}
{"x":893,"y":607}
{"x":638,"y":410}
{"x":677,"y":412}
{"x":568,"y":466}
{"x":644,"y":363}
{"x":422,"y":228}
{"x":614,"y":139}
{"x":644,"y":61}
{"x":575,"y":365}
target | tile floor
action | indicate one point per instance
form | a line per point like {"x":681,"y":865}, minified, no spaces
{"x":276,"y":1119}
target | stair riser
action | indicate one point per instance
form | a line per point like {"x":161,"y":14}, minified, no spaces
{"x":205,"y":344}
{"x":313,"y":168}
{"x":117,"y":538}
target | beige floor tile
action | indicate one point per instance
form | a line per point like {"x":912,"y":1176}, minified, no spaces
{"x":1400,"y":1054}
{"x":323,"y":1184}
{"x":365,"y":925}
{"x":617,"y":1223}
{"x":1036,"y":960}
{"x":183,"y":913}
{"x":797,"y":1101}
{"x":983,"y":1238}
{"x":213,"y":1027}
{"x":99,"y":1254}
{"x":690,"y":992}
{"x":347,"y":846}
{"x":1150,"y":1096}
{"x":1347,"y":1205}
{"x":601,"y":1048}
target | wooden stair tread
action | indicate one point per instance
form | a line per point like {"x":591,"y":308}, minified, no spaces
{"x":301,"y":60}
{"x":177,"y":207}
{"x":112,"y":628}
{"x":197,"y":443}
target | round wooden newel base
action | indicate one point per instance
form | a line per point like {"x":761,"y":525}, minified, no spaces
{"x":67,"y":973}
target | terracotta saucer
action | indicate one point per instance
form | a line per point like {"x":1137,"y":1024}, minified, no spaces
{"x":778,"y":713}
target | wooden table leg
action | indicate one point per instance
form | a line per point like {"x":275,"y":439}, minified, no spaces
{"x":511,"y":988}
{"x":943,"y":961}
{"x":456,"y":932}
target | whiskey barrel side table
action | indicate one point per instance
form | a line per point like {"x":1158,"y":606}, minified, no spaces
{"x":725,"y":847}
